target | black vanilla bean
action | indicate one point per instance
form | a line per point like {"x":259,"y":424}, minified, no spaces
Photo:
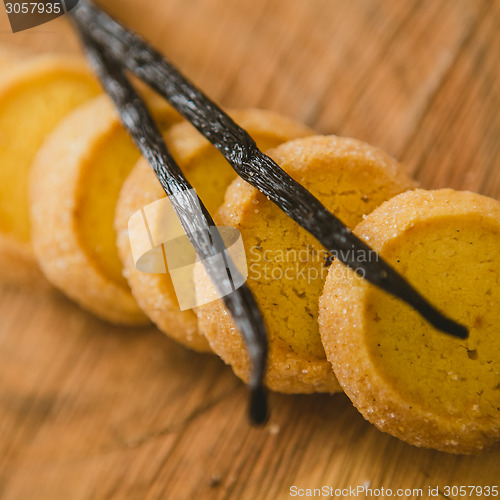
{"x":195,"y":219}
{"x":250,"y":163}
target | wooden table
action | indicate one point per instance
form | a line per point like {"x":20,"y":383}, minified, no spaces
{"x":88,"y":411}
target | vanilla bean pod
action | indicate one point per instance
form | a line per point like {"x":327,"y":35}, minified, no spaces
{"x":198,"y":224}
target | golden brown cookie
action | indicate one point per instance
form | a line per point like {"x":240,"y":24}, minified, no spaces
{"x":210,"y":175}
{"x":410,"y":380}
{"x":287,"y":265}
{"x":75,"y":183}
{"x":34,"y":96}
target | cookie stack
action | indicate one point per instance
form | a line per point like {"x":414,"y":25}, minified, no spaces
{"x":72,"y":178}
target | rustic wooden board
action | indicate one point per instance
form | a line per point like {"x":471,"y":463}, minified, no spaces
{"x":92,"y":411}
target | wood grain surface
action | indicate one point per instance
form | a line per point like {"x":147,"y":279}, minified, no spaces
{"x":89,"y":411}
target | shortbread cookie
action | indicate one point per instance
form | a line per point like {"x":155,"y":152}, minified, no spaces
{"x":210,"y":175}
{"x":410,"y":380}
{"x":75,"y":182}
{"x":287,"y":266}
{"x":34,"y":96}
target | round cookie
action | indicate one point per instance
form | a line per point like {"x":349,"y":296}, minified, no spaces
{"x":75,"y":183}
{"x":34,"y":96}
{"x":287,"y":266}
{"x":209,"y":174}
{"x":410,"y":380}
